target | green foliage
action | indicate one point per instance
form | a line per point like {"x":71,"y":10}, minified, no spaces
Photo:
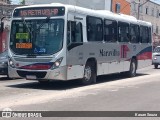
{"x":9,"y":1}
{"x":22,"y":2}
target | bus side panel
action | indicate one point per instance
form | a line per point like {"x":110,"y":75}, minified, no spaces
{"x":127,"y":53}
{"x":75,"y":62}
{"x":107,"y":56}
{"x":145,"y":56}
{"x":102,"y":68}
{"x":111,"y":57}
{"x":75,"y":56}
{"x":141,"y":51}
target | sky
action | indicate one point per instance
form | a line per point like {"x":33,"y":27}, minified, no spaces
{"x":17,"y":1}
{"x":157,"y":1}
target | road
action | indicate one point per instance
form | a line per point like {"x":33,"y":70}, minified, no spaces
{"x":111,"y":93}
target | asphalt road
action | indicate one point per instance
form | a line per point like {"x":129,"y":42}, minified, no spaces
{"x":112,"y":93}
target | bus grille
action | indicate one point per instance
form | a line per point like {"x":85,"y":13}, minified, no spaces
{"x":33,"y":60}
{"x":37,"y":74}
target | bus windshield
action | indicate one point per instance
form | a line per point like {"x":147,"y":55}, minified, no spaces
{"x":37,"y":37}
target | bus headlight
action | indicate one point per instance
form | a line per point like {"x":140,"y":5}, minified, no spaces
{"x":57,"y":63}
{"x":11,"y":63}
{"x":155,"y":58}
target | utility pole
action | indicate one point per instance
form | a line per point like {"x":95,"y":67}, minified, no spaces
{"x":139,"y":5}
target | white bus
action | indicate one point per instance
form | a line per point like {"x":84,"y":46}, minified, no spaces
{"x":65,"y":42}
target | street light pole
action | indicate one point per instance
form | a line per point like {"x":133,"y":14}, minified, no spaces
{"x":138,"y":10}
{"x":139,"y":5}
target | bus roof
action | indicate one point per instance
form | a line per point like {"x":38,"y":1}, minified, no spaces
{"x":98,"y":13}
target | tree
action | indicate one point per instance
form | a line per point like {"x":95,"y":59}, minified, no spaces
{"x":22,"y":2}
{"x":9,"y":1}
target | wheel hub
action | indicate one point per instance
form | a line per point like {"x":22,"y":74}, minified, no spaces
{"x":133,"y":68}
{"x":87,"y":73}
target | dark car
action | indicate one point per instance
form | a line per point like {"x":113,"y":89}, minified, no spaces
{"x":4,"y":63}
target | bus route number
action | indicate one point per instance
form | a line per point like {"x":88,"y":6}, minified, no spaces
{"x":24,"y":45}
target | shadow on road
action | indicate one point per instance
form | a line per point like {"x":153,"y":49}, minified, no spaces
{"x":5,"y":78}
{"x":63,"y":85}
{"x":115,"y":77}
{"x":156,"y":68}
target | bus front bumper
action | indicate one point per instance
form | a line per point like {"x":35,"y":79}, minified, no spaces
{"x":56,"y":74}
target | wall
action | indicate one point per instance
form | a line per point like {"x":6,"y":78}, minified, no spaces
{"x":3,"y":2}
{"x":5,"y":11}
{"x":124,"y":6}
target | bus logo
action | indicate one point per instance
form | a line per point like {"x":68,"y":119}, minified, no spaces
{"x":124,"y":50}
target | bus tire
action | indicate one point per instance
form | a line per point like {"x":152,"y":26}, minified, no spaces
{"x":155,"y":66}
{"x":133,"y":68}
{"x":90,"y":75}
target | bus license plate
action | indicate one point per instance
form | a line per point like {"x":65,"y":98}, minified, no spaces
{"x":31,"y":77}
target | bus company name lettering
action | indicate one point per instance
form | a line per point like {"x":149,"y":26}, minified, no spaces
{"x":113,"y":52}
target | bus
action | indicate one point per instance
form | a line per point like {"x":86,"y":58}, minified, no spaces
{"x":66,"y":42}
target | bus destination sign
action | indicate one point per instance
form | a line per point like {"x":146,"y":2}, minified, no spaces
{"x":39,"y":12}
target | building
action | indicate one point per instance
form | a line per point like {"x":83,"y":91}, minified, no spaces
{"x":6,"y":10}
{"x":121,"y":6}
{"x":91,"y":4}
{"x":5,"y":14}
{"x":148,"y":11}
{"x":3,"y":2}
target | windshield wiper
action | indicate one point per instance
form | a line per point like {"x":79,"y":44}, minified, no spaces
{"x":30,"y":31}
{"x":24,"y":22}
{"x":46,"y":21}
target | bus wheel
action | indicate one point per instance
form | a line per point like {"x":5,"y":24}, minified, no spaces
{"x":89,"y":74}
{"x":133,"y":68}
{"x":155,"y":66}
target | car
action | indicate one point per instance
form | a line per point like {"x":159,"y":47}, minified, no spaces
{"x":156,"y":57}
{"x":4,"y":63}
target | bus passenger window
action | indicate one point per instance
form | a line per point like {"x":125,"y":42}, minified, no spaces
{"x":94,"y":29}
{"x":110,"y":31}
{"x":134,"y":32}
{"x":123,"y":32}
{"x":144,"y":34}
{"x":150,"y":39}
{"x":78,"y":32}
{"x":74,"y":32}
{"x":68,"y":32}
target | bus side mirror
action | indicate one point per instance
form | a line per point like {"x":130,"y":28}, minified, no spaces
{"x":1,"y":26}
